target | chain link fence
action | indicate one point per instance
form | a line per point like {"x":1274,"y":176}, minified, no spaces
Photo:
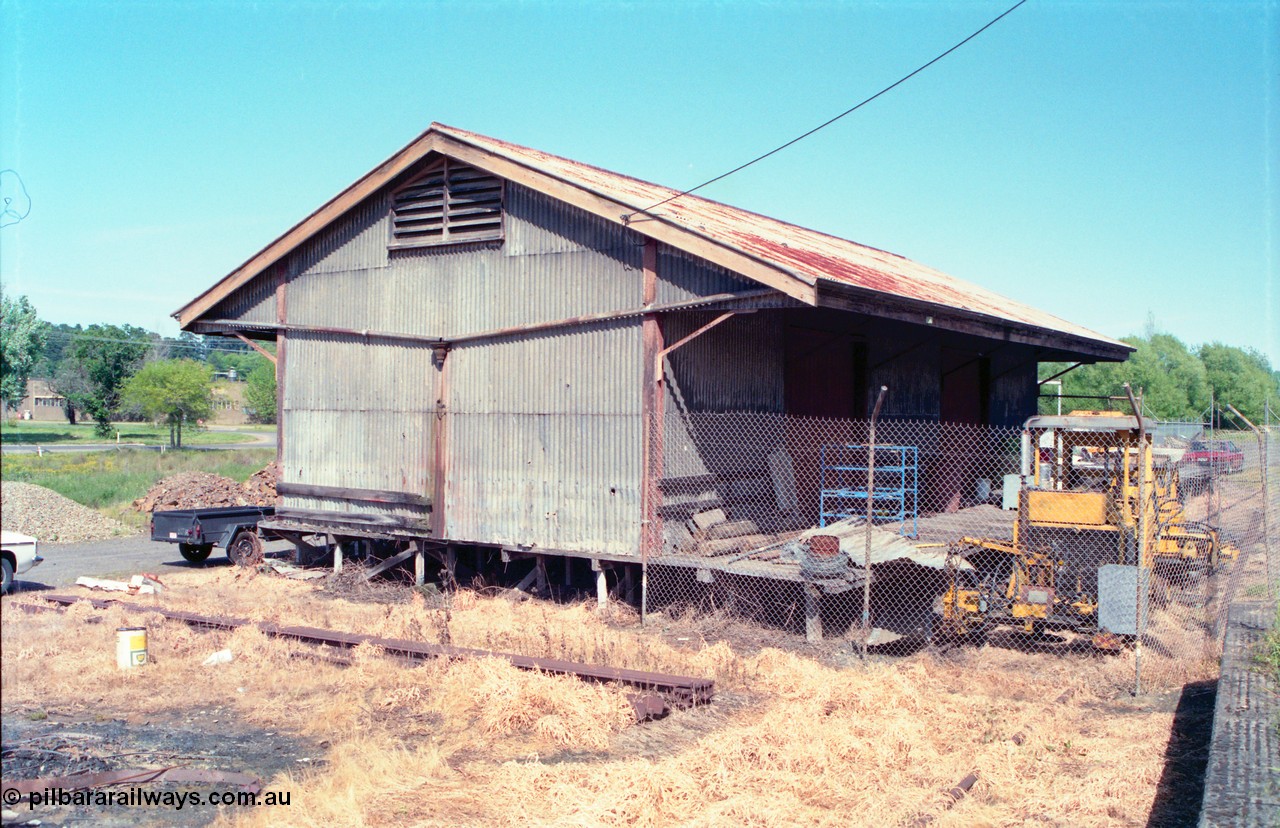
{"x":1079,"y":537}
{"x":1270,"y":486}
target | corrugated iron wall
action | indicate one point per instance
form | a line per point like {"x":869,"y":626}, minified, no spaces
{"x":556,"y":262}
{"x":536,"y":224}
{"x":544,"y":440}
{"x":909,"y":363}
{"x":358,"y":414}
{"x":735,"y":366}
{"x":357,"y":241}
{"x":1013,"y":387}
{"x":255,"y":302}
{"x":681,"y":277}
{"x":543,"y":429}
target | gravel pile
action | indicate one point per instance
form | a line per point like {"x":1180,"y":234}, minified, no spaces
{"x":48,"y":516}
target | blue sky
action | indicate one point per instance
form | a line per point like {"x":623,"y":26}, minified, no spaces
{"x":1104,"y":161}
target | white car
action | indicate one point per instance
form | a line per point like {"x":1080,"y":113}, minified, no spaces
{"x":17,"y":555}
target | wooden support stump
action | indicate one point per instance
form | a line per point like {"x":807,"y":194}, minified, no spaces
{"x":540,"y":570}
{"x":628,"y":583}
{"x":451,"y":566}
{"x":337,"y":558}
{"x":420,"y":563}
{"x":602,"y":589}
{"x":812,"y":614}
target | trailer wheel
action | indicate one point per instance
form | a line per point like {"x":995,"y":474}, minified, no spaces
{"x":246,"y":549}
{"x":195,"y":553}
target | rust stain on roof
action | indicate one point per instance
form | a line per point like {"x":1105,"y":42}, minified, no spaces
{"x":808,"y":254}
{"x":802,"y":258}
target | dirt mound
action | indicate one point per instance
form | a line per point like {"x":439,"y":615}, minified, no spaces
{"x":48,"y":516}
{"x":260,"y":489}
{"x":192,"y":490}
{"x":202,"y":490}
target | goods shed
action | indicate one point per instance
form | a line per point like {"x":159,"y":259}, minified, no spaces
{"x":482,"y":343}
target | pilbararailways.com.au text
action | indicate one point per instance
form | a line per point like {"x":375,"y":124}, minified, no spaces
{"x":144,"y":797}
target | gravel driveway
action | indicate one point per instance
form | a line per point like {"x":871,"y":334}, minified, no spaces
{"x":117,"y":558}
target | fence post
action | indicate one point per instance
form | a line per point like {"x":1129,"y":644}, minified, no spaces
{"x":1140,"y":602}
{"x":1268,"y":546}
{"x":1266,"y":503}
{"x":871,"y":496}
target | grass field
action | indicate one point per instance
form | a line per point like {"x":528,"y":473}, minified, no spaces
{"x":111,"y":480}
{"x":26,"y":432}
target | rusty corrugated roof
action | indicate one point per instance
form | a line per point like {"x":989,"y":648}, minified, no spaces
{"x":808,"y":254}
{"x":814,"y":267}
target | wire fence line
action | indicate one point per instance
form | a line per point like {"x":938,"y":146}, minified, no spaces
{"x":1081,"y":536}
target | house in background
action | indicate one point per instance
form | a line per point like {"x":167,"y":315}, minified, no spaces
{"x":228,"y":403}
{"x":485,"y":344}
{"x":42,"y":403}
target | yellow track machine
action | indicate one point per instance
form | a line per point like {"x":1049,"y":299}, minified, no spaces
{"x":1099,"y":523}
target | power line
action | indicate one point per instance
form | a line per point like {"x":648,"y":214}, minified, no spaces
{"x":626,"y":217}
{"x":157,"y":340}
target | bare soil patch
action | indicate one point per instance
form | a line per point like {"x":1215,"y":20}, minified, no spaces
{"x":40,"y":743}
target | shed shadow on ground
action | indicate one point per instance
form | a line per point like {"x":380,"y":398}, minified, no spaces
{"x":1180,"y":790}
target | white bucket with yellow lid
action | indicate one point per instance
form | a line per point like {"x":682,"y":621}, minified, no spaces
{"x":131,"y":647}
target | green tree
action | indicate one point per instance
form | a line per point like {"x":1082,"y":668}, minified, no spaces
{"x":1240,"y":377}
{"x":22,"y":340}
{"x":1169,"y":376}
{"x":71,"y":380}
{"x":235,"y":356}
{"x":57,"y":340}
{"x":1176,"y":382}
{"x":260,"y":392}
{"x":99,"y":360}
{"x":175,"y":391}
{"x":185,"y":346}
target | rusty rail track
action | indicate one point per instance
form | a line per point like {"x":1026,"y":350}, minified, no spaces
{"x":685,"y":691}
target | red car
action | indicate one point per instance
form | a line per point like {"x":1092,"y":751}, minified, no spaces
{"x":1219,"y":455}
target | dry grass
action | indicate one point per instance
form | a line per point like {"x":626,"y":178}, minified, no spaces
{"x":480,"y":743}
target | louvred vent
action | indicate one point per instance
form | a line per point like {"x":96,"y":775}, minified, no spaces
{"x":451,"y":203}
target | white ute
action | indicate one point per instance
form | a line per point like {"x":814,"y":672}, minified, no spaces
{"x":17,"y":555}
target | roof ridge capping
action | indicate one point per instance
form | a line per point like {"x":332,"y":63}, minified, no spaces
{"x":782,"y":255}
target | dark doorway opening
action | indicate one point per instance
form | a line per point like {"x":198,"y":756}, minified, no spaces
{"x":824,"y":373}
{"x":965,"y":393}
